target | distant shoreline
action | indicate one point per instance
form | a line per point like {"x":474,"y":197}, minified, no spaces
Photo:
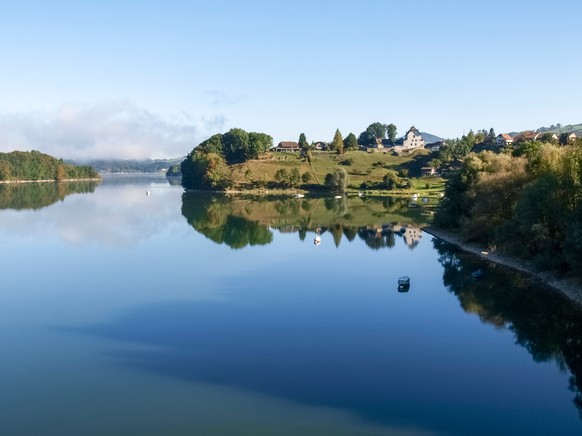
{"x":570,"y":289}
{"x":7,"y":182}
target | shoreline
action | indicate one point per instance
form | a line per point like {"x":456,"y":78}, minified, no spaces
{"x":568,"y":288}
{"x":7,"y":182}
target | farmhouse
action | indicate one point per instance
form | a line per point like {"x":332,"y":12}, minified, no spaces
{"x":503,"y":139}
{"x":288,"y":146}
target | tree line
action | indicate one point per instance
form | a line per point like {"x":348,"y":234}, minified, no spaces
{"x":34,"y":165}
{"x":207,"y":165}
{"x":526,"y":201}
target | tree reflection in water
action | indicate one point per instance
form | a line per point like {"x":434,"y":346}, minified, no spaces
{"x":241,"y":221}
{"x":21,"y":196}
{"x":544,"y":323}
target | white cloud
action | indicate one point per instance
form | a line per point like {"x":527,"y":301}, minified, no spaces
{"x":117,"y":129}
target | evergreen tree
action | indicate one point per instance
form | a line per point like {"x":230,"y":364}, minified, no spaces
{"x":338,"y":142}
{"x":303,"y":144}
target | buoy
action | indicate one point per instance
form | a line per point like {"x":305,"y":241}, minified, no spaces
{"x":147,"y":193}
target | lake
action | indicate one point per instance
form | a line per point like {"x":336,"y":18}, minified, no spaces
{"x":179,"y":313}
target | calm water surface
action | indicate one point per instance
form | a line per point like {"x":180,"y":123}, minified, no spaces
{"x":172,"y":313}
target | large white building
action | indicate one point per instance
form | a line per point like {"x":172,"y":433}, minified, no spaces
{"x":411,"y":141}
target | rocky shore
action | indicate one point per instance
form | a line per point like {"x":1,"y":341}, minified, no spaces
{"x":571,"y":289}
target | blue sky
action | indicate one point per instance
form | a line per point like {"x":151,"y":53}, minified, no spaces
{"x":154,"y":78}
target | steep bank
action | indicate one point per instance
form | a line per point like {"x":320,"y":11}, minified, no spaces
{"x":569,"y":288}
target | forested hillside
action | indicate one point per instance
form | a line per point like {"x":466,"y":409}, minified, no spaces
{"x":526,"y":201}
{"x":34,"y":165}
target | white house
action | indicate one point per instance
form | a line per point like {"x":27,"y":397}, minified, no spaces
{"x":411,"y":141}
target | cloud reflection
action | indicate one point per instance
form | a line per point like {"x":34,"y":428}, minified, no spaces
{"x":115,"y":215}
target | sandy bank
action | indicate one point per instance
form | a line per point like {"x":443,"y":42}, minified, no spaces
{"x":569,"y":288}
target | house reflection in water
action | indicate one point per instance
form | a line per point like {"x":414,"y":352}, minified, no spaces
{"x":410,"y":234}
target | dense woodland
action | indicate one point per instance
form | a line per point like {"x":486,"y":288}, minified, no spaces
{"x":34,"y":165}
{"x":525,"y":200}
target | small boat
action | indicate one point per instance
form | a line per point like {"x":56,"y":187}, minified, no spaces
{"x":414,"y":196}
{"x":360,"y":194}
{"x":478,"y":274}
{"x":403,"y":284}
{"x":317,"y":240}
{"x":338,"y":196}
{"x":299,"y":195}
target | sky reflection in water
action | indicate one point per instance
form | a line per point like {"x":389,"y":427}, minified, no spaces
{"x":322,"y":328}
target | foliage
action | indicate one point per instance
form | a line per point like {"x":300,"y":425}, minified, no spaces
{"x":337,"y":181}
{"x":337,"y":143}
{"x":391,"y":180}
{"x":174,"y":171}
{"x":303,"y":144}
{"x":457,"y":148}
{"x":201,"y":170}
{"x":351,"y":142}
{"x":206,"y":167}
{"x":237,"y":145}
{"x":529,"y":205}
{"x":281,"y":175}
{"x":294,"y":177}
{"x":34,"y":165}
{"x":391,"y":132}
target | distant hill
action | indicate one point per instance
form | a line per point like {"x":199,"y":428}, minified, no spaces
{"x":429,"y":138}
{"x":559,"y":128}
{"x":36,"y":166}
{"x":132,"y":166}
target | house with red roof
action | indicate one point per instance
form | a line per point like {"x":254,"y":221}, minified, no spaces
{"x":503,"y":139}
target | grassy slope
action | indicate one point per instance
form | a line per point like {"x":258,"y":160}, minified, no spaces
{"x":365,"y":167}
{"x":567,"y":129}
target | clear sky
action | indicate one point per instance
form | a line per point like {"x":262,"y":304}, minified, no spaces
{"x":134,"y":79}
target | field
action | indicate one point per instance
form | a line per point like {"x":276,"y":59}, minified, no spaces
{"x":361,"y":167}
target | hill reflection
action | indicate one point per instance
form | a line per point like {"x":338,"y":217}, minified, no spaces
{"x":22,"y":196}
{"x":246,"y":221}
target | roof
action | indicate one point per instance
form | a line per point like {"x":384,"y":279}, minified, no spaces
{"x":288,"y":144}
{"x":505,"y":136}
{"x":413,"y":129}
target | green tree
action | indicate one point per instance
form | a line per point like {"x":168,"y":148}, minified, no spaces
{"x":282,"y":177}
{"x":303,"y":144}
{"x":306,"y":177}
{"x":259,"y":143}
{"x":391,"y":180}
{"x":351,"y":142}
{"x":338,"y":143}
{"x":366,"y":138}
{"x":337,"y":181}
{"x":294,"y":177}
{"x":235,"y":145}
{"x":378,"y":130}
{"x":212,"y":144}
{"x":391,"y":132}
